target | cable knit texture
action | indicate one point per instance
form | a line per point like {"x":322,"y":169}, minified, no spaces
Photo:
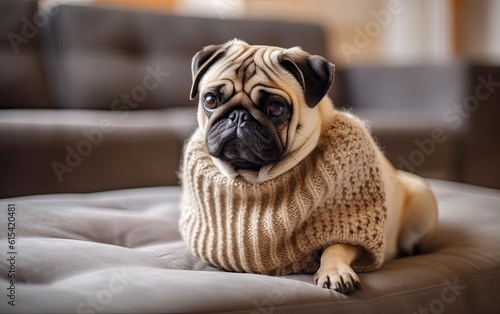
{"x":277,"y":227}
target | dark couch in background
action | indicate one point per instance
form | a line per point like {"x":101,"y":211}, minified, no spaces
{"x":92,"y":65}
{"x":83,"y":66}
{"x":96,"y":100}
{"x":437,"y":120}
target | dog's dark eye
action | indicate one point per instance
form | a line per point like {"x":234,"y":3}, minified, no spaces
{"x":275,"y":109}
{"x":210,"y":101}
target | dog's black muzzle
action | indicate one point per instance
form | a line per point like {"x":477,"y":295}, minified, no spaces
{"x":243,"y":141}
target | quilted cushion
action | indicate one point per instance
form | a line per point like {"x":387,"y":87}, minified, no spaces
{"x":121,"y":251}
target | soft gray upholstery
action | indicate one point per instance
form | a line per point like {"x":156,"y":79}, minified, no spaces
{"x":121,"y":251}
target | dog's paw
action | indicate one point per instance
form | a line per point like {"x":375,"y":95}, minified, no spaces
{"x":340,"y":278}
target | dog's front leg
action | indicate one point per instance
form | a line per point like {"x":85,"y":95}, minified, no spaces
{"x":335,"y":270}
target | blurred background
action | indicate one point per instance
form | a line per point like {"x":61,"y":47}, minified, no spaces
{"x":94,"y":94}
{"x":388,"y":31}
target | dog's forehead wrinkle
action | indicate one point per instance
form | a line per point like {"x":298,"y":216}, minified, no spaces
{"x":246,"y":70}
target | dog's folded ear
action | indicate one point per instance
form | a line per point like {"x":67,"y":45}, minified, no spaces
{"x":313,"y":72}
{"x":202,"y":61}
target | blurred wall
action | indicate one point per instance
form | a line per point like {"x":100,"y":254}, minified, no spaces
{"x":164,"y":5}
{"x":344,"y":21}
{"x":368,"y":31}
{"x":381,"y":31}
{"x":478,"y":29}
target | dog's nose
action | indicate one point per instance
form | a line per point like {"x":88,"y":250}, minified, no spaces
{"x":239,"y":116}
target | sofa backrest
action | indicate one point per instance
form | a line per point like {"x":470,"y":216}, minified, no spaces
{"x":22,"y":81}
{"x":431,"y":88}
{"x":109,"y":58}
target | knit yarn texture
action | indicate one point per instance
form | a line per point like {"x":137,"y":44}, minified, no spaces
{"x":278,"y":227}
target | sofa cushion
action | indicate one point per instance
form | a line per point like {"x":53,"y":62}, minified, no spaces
{"x":121,"y":251}
{"x":60,"y":151}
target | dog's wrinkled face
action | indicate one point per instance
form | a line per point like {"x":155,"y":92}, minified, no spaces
{"x":254,"y":99}
{"x":244,"y":132}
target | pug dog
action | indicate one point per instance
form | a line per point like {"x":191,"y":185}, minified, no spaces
{"x":277,"y":181}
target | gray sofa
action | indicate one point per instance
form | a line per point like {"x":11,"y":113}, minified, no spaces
{"x":94,"y":113}
{"x":121,"y":252}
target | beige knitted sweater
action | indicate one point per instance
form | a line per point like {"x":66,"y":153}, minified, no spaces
{"x":277,"y":227}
